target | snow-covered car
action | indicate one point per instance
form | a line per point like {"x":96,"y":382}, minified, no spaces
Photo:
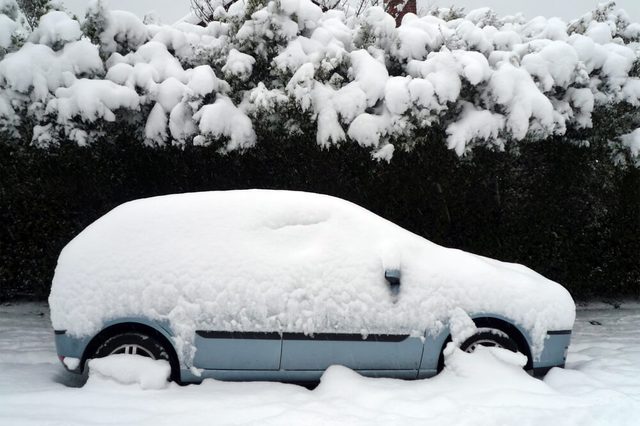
{"x":279,"y":285}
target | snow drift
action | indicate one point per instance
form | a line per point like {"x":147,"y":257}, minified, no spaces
{"x":130,"y":370}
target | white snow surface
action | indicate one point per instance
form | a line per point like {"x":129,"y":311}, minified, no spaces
{"x":7,"y":29}
{"x":599,"y":387}
{"x":92,"y":99}
{"x":257,"y":260}
{"x":632,"y":141}
{"x":39,"y":70}
{"x":56,"y":27}
{"x":222,"y":118}
{"x":239,"y":64}
{"x":130,"y":370}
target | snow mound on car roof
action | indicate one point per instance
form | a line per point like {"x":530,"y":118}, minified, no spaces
{"x":259,"y":260}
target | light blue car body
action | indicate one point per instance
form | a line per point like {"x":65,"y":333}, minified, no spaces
{"x":299,"y":357}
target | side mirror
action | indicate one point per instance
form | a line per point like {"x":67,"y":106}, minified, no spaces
{"x":393,"y":278}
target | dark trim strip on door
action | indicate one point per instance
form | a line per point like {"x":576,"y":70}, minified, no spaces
{"x":352,"y":337}
{"x":343,"y":337}
{"x":238,"y":335}
{"x":552,"y":332}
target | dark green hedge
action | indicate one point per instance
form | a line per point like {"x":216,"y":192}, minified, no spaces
{"x":566,"y":211}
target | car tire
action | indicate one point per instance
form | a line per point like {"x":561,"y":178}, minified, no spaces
{"x":136,"y":343}
{"x":491,"y":337}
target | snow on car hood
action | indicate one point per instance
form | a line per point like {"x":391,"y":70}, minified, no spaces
{"x":258,"y":260}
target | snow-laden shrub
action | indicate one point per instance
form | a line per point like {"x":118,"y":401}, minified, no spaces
{"x":285,"y":66}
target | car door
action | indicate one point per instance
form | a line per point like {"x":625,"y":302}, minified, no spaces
{"x":377,"y":354}
{"x":234,"y":350}
{"x":395,"y":355}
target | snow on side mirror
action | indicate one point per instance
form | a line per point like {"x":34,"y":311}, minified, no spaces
{"x":393,"y":278}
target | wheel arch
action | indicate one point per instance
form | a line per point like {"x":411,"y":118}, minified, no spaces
{"x":514,"y":332}
{"x":115,"y":328}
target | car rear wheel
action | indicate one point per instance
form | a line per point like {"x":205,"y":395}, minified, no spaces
{"x":491,"y":337}
{"x":136,"y":343}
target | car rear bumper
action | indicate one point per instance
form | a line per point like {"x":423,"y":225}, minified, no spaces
{"x":554,"y":353}
{"x":70,"y":347}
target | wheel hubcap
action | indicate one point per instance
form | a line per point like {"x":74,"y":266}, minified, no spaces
{"x":483,"y":342}
{"x":132,"y":349}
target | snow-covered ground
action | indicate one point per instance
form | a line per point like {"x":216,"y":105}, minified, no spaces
{"x":601,"y":386}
